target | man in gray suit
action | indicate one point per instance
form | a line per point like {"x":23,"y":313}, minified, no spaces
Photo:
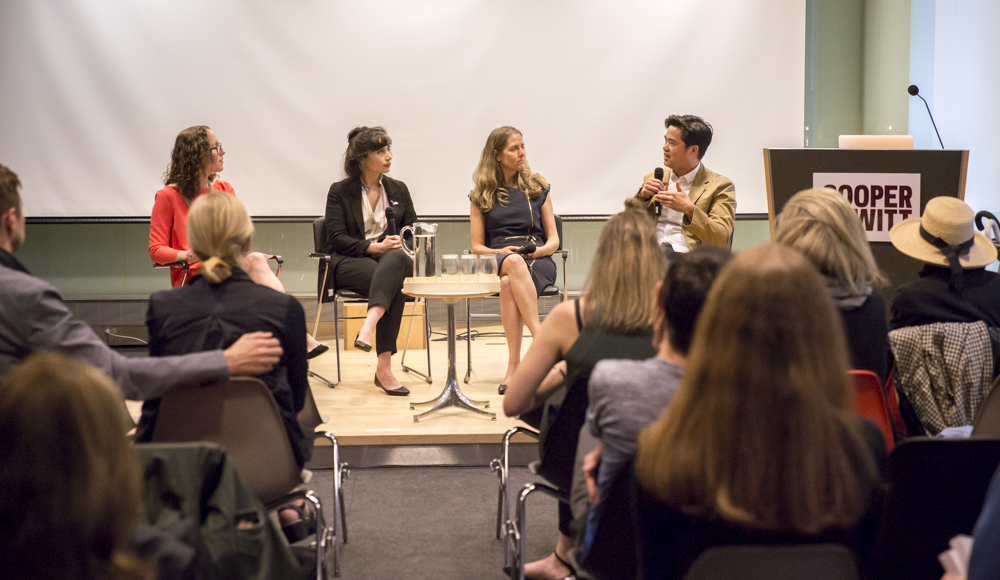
{"x":33,"y":318}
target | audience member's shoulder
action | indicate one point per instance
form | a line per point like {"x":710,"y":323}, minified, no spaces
{"x":13,"y":283}
{"x":619,"y":371}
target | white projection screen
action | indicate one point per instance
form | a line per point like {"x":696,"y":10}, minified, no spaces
{"x":93,"y":93}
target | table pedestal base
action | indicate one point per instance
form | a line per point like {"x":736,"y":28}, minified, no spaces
{"x":452,"y":395}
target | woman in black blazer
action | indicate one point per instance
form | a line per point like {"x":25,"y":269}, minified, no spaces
{"x":364,"y":258}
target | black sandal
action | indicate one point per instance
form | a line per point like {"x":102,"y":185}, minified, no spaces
{"x":572,"y":570}
{"x":303,"y":527}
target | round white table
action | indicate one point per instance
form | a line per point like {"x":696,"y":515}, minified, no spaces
{"x":451,"y":293}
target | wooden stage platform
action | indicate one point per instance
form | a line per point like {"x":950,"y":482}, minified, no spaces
{"x":369,"y":423}
{"x":362,"y":414}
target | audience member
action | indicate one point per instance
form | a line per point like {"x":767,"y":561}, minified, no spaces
{"x":628,"y":395}
{"x":223,"y":302}
{"x":821,"y":225}
{"x":34,"y":318}
{"x":613,"y":319}
{"x":71,"y":484}
{"x":693,"y":205}
{"x":757,"y":445}
{"x":954,"y":285}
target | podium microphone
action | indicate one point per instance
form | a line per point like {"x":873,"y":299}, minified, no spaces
{"x":658,"y":174}
{"x":390,"y":221}
{"x":915,"y":92}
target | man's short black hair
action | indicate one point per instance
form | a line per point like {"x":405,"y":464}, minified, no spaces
{"x":694,"y":131}
{"x":9,"y":196}
{"x":689,"y":278}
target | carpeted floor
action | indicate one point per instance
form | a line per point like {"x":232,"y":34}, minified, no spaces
{"x":431,"y":522}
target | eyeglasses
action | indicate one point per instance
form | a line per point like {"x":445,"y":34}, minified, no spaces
{"x":218,"y":148}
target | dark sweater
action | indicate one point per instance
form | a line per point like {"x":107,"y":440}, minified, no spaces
{"x":927,"y":299}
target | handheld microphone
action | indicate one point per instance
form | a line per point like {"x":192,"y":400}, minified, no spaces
{"x":915,"y":92}
{"x":390,"y":221}
{"x":527,"y":249}
{"x":658,"y":174}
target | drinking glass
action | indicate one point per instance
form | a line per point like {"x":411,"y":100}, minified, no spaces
{"x":487,"y":268}
{"x":449,"y":268}
{"x":469,"y":267}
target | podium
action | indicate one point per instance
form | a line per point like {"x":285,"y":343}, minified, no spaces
{"x":865,"y":175}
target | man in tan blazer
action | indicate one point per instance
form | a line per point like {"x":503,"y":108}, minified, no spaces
{"x":692,"y":205}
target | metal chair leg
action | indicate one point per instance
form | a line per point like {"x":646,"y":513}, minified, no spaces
{"x":519,"y":527}
{"x":321,"y":537}
{"x":406,"y":346}
{"x":468,"y":340}
{"x":502,"y":466}
{"x":336,"y":329}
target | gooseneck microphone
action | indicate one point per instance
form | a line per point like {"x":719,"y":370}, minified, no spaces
{"x":658,"y":174}
{"x":390,"y":221}
{"x":915,"y":92}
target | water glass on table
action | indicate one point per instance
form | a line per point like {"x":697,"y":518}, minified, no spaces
{"x":469,"y":262}
{"x":487,"y":268}
{"x":449,"y":268}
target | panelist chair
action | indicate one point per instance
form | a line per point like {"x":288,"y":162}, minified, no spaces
{"x":242,"y":416}
{"x":187,"y":266}
{"x":327,"y":291}
{"x":550,"y":290}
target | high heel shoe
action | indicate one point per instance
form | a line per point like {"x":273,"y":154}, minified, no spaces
{"x":502,"y":389}
{"x":400,"y":392}
{"x":320,"y":349}
{"x":362,"y":345}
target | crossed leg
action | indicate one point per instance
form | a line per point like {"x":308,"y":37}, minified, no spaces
{"x":518,"y":308}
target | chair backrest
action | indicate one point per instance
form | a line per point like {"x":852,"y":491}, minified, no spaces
{"x":319,"y":240}
{"x":937,"y":491}
{"x":559,"y":230}
{"x":812,"y":561}
{"x":869,"y":402}
{"x":242,"y":417}
{"x":987,"y":423}
{"x":319,"y":233}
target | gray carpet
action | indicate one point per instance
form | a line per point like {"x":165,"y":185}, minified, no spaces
{"x":431,"y":522}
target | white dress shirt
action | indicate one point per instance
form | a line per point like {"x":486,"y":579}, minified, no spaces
{"x":669,"y":226}
{"x":374,"y":216}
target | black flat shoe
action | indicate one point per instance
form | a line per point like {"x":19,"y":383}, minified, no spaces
{"x":502,"y":389}
{"x":400,"y":392}
{"x":361,"y":345}
{"x":317,"y":351}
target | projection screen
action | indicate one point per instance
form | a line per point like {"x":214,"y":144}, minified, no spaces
{"x":93,"y":93}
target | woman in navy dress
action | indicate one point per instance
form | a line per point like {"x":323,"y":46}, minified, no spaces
{"x":511,"y":210}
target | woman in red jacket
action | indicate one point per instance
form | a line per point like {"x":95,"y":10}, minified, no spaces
{"x":195,"y":164}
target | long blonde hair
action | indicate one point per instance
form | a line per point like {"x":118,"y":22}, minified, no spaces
{"x":488,"y":176}
{"x":759,"y":432}
{"x":219,"y":230}
{"x":620,"y":290}
{"x":72,"y":484}
{"x":821,"y":225}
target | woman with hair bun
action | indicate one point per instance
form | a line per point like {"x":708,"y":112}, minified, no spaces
{"x":364,"y":257}
{"x":216,"y":308}
{"x":195,"y":163}
{"x":511,"y":210}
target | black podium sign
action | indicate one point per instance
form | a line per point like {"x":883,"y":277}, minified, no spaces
{"x":788,"y":171}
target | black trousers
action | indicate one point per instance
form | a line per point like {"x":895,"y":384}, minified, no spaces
{"x":380,"y":277}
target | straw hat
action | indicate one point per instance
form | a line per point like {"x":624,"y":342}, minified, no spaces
{"x":950,"y":219}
